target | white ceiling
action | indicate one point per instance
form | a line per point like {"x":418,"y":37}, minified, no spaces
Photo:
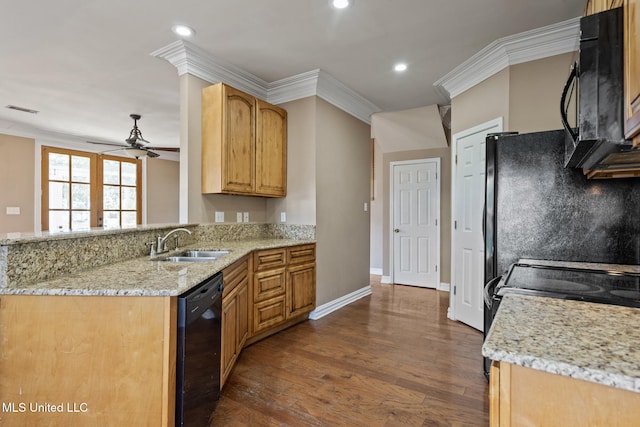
{"x":85,"y":64}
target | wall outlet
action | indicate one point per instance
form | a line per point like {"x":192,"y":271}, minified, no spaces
{"x":283,"y":217}
{"x":246,"y":217}
{"x":219,"y":216}
{"x":13,"y":210}
{"x":239,"y":217}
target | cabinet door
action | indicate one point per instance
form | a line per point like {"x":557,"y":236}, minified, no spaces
{"x":268,"y":284}
{"x":301,"y":289}
{"x":229,"y":350}
{"x":238,"y":141}
{"x":242,"y":301}
{"x":271,"y":150}
{"x":632,"y":71}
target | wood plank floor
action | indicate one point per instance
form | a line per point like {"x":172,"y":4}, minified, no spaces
{"x":390,"y":359}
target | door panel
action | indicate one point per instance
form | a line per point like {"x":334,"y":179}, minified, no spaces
{"x":467,"y":252}
{"x":416,"y":208}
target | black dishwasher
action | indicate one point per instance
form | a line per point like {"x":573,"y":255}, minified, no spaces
{"x":198,"y":353}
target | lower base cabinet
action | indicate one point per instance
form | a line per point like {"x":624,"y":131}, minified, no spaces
{"x":235,"y":315}
{"x":528,"y":397}
{"x":266,"y":291}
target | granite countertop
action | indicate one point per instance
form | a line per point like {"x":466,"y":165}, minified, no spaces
{"x":144,"y":277}
{"x":587,"y":341}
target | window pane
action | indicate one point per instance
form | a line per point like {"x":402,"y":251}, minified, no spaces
{"x":129,"y":198}
{"x":80,"y":196}
{"x":111,"y":172}
{"x":58,"y":195}
{"x":129,"y":219}
{"x":129,"y":173}
{"x":59,"y":167}
{"x":111,"y":219}
{"x":58,"y":221}
{"x":80,"y":169}
{"x":80,"y":220}
{"x":111,"y":197}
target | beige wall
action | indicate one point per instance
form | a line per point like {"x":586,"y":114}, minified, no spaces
{"x":377,"y":205}
{"x":163,"y":186}
{"x":17,"y":175}
{"x":485,"y":101}
{"x":444,"y":154}
{"x":300,"y":203}
{"x":194,"y":206}
{"x":342,"y":176}
{"x":534,"y":93}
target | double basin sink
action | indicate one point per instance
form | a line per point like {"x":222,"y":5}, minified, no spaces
{"x":194,"y":256}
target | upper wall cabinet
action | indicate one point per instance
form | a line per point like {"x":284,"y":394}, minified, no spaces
{"x":597,"y":6}
{"x":244,"y":144}
{"x":632,"y":71}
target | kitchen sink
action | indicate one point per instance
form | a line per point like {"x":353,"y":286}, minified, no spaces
{"x":194,"y":256}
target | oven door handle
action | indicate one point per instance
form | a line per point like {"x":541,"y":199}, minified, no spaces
{"x":488,"y":291}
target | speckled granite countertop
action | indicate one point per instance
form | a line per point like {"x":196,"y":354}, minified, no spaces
{"x":587,"y":341}
{"x":142,"y":276}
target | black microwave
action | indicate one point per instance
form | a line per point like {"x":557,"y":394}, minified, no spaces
{"x":593,"y":98}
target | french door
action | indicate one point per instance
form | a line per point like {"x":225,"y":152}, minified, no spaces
{"x":82,"y":190}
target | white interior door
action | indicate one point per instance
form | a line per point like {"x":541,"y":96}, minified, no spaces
{"x":467,"y":243}
{"x":415,"y":222}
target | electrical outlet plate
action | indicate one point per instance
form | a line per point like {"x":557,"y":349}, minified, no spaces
{"x":219,"y":216}
{"x":283,"y":217}
{"x":246,"y":217}
{"x":239,"y":217}
{"x":13,"y":210}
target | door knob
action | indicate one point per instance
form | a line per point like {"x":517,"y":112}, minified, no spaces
{"x":396,"y":230}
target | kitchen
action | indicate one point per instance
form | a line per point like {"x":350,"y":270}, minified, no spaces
{"x":327,"y":145}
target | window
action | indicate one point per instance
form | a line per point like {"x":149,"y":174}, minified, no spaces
{"x":82,"y":190}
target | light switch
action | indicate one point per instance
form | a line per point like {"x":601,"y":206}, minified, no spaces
{"x":246,"y":217}
{"x":13,"y":210}
{"x":283,"y":217}
{"x":239,"y":217}
{"x":219,"y":216}
{"x":366,"y":206}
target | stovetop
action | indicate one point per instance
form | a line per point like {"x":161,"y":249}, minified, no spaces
{"x":612,"y":286}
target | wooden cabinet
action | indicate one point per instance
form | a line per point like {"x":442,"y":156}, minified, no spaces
{"x":283,"y":286}
{"x":301,"y":280}
{"x":632,"y":71}
{"x":597,"y":6}
{"x":244,"y":144}
{"x":271,"y":150}
{"x":527,"y":397}
{"x":235,"y":314}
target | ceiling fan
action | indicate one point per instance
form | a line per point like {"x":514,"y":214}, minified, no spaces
{"x":136,"y":144}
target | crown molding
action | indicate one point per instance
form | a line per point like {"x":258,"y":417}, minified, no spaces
{"x":191,"y":59}
{"x":539,"y":43}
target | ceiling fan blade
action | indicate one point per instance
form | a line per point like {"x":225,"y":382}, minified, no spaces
{"x":107,"y":143}
{"x":151,"y":154}
{"x":173,"y":149}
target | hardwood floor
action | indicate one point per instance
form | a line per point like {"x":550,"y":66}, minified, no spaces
{"x":390,"y":359}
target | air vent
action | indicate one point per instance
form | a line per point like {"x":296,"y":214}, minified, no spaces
{"x":24,"y":110}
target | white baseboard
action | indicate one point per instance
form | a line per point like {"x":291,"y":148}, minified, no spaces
{"x":450,"y":315}
{"x":385,"y":279}
{"x":337,"y":304}
{"x":376,"y":271}
{"x":444,"y":287}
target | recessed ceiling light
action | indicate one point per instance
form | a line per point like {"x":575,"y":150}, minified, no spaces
{"x":183,"y":30}
{"x":341,"y":4}
{"x":400,"y":67}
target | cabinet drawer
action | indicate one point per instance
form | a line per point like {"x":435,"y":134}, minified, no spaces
{"x":268,"y":313}
{"x":235,"y":274}
{"x":269,"y":259}
{"x":268,"y":284}
{"x":301,"y":254}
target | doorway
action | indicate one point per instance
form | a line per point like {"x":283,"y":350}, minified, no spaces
{"x":467,"y":241}
{"x":415,"y":222}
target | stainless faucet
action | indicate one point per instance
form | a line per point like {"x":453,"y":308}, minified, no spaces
{"x":161,"y":243}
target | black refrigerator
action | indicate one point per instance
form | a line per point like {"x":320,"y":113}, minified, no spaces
{"x":536,"y":208}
